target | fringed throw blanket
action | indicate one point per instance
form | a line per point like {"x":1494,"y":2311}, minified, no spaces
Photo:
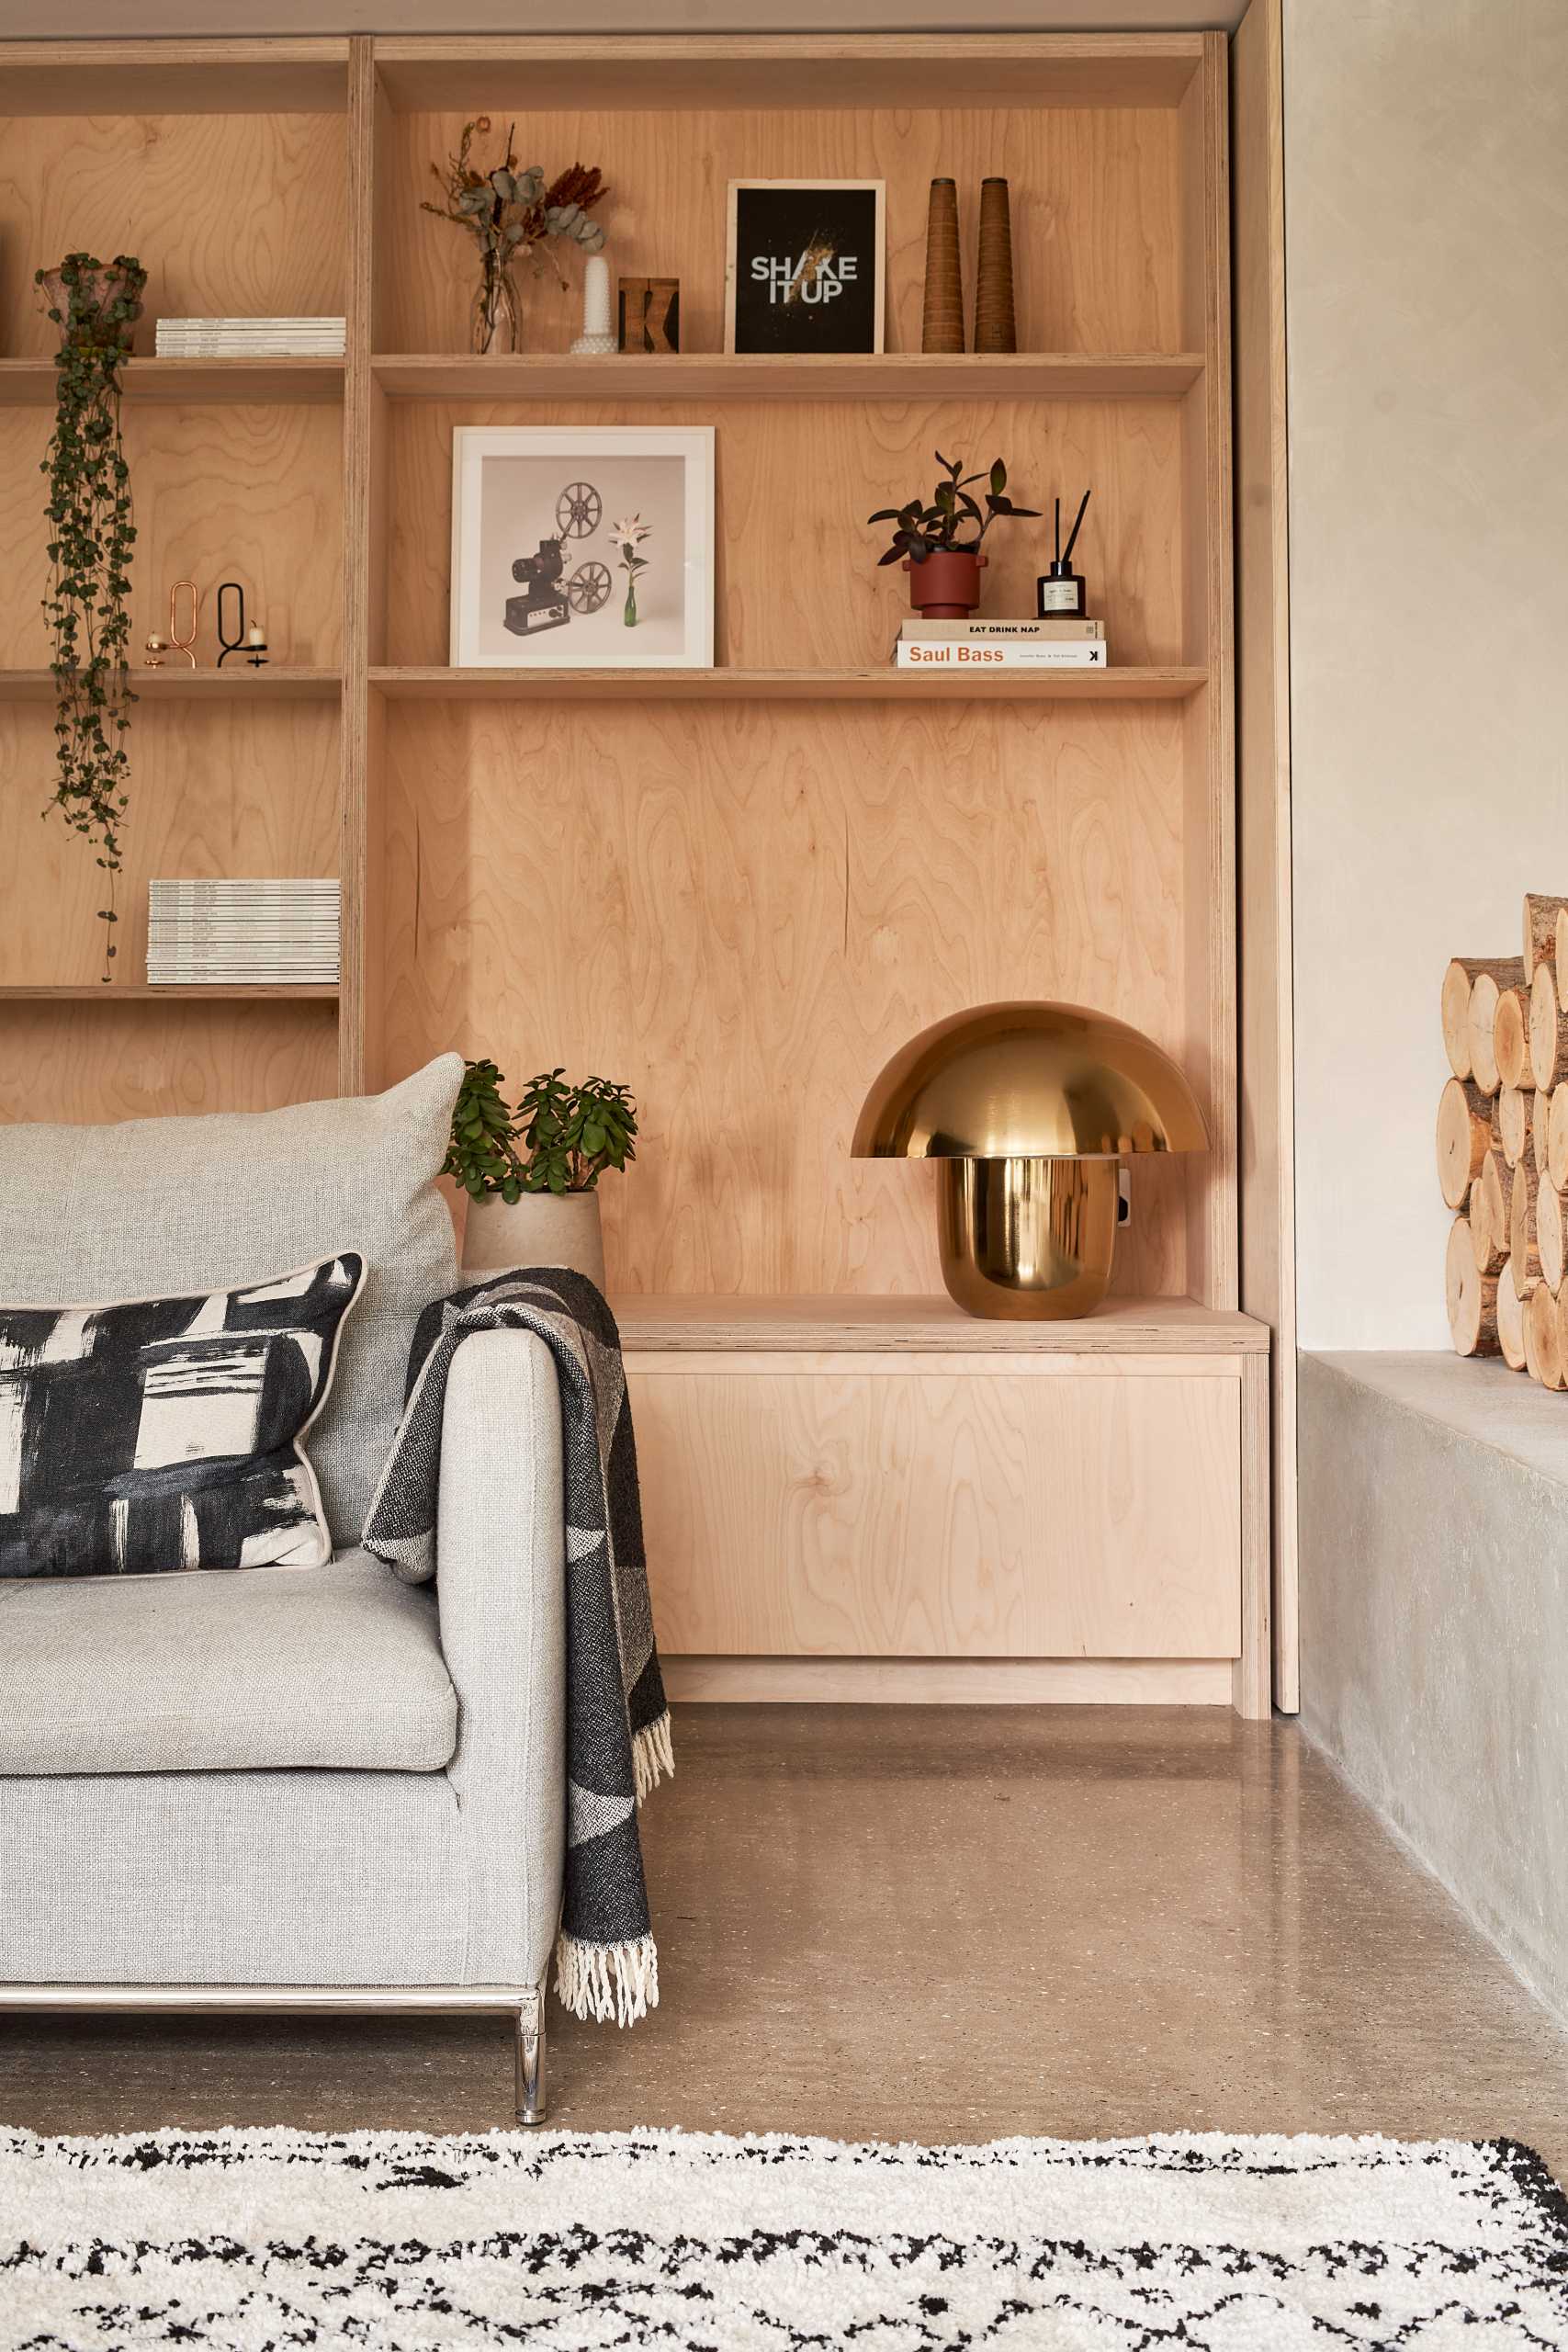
{"x":617,"y":1725}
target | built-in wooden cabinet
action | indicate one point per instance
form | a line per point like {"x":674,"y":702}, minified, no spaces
{"x":739,"y":891}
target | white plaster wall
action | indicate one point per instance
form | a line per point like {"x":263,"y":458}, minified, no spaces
{"x":1427,"y":237}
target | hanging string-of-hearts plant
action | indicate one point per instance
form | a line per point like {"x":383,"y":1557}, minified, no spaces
{"x":96,"y":305}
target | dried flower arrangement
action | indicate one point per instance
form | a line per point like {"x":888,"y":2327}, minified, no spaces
{"x":511,"y":216}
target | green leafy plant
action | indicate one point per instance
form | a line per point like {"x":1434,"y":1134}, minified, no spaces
{"x":954,"y":512}
{"x":559,"y":1138}
{"x":96,"y":305}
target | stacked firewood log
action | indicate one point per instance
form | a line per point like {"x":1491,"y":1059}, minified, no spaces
{"x":1503,"y":1148}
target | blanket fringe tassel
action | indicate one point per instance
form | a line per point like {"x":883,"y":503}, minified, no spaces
{"x":653,"y":1756}
{"x":599,"y":1982}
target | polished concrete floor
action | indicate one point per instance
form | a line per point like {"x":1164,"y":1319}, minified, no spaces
{"x":943,"y":1924}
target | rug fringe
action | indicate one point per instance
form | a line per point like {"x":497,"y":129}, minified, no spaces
{"x":598,"y":1982}
{"x":653,"y":1756}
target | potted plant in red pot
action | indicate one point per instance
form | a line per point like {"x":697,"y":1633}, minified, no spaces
{"x":939,"y":545}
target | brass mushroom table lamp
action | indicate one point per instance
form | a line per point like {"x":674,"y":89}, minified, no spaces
{"x":1030,"y":1106}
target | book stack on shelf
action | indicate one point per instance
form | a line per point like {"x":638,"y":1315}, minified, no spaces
{"x":251,"y":338}
{"x":974,"y":645}
{"x":261,"y":934}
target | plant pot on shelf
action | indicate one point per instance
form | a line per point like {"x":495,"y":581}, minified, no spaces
{"x":946,"y":587}
{"x":541,"y":1229}
{"x":89,"y":295}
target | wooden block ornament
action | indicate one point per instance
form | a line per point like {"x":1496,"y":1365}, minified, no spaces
{"x":648,"y":316}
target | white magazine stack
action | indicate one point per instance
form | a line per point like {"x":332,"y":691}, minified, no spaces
{"x":251,"y":338}
{"x":264,"y":933}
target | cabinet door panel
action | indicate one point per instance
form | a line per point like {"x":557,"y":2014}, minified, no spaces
{"x":941,"y":1516}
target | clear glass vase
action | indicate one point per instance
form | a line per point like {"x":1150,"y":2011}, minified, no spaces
{"x":629,"y":611}
{"x":497,"y":317}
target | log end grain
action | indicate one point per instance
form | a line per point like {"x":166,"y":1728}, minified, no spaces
{"x":1496,"y":1189}
{"x":1511,"y":1305}
{"x":1464,"y":1135}
{"x":1524,"y":1256}
{"x":1456,"y":1016}
{"x":1548,"y":1233}
{"x":1484,"y":998}
{"x":1544,"y":1338}
{"x":1541,"y":911}
{"x":1511,"y":1038}
{"x":1472,"y":1297}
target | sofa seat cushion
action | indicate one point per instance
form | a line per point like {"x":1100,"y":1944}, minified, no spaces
{"x":340,"y":1669}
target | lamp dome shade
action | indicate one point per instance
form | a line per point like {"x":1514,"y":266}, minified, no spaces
{"x":1029,"y":1082}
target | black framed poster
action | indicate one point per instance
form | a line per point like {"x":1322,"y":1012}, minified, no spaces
{"x":805,"y":266}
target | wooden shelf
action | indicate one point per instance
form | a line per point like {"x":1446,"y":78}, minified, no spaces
{"x":451,"y":73}
{"x":888,"y":685}
{"x":857,"y":1326}
{"x":160,"y":992}
{"x":30,"y":383}
{"x":234,"y":683}
{"x":250,"y":76}
{"x":720,"y":375}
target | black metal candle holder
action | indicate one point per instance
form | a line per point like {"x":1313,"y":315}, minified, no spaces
{"x":254,"y":651}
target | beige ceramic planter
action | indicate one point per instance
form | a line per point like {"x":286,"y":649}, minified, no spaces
{"x":541,"y":1229}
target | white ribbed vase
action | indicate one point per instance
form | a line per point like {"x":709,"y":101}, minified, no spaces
{"x":541,"y":1229}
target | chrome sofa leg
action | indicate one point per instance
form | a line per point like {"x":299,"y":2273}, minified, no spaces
{"x":531,"y":2055}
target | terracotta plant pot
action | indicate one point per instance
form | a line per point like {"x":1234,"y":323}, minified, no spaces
{"x":946,"y":587}
{"x":541,"y":1229}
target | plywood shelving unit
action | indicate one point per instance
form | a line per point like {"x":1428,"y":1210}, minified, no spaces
{"x":738,"y":889}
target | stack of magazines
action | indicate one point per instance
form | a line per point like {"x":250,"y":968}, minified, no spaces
{"x":262,"y":933}
{"x":251,"y":338}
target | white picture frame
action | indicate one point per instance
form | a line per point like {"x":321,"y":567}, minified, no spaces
{"x":518,"y":488}
{"x":794,"y":195}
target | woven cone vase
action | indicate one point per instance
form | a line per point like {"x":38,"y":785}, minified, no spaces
{"x":996,"y":327}
{"x":942,"y":320}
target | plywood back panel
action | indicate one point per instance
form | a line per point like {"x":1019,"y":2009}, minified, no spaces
{"x":744,"y":910}
{"x":229,"y":790}
{"x":798,"y":584}
{"x":231,"y":214}
{"x":1094,"y":213}
{"x":78,"y":1062}
{"x":222,"y":492}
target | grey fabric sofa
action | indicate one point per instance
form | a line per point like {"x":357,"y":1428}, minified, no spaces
{"x":320,"y":1787}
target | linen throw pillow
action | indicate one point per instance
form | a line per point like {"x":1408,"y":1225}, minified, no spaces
{"x":165,"y":1433}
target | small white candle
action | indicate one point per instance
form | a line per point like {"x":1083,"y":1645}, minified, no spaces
{"x":596,"y":296}
{"x":256,"y":635}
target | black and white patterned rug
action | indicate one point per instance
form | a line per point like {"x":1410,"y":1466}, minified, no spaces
{"x":394,"y":2243}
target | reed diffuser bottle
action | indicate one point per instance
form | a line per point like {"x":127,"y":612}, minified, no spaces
{"x":1060,"y":593}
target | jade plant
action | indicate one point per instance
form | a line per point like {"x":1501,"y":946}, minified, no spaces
{"x":955,"y":522}
{"x":94,"y":305}
{"x":559,"y":1138}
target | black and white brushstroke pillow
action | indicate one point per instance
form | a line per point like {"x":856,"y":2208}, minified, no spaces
{"x":165,"y":1433}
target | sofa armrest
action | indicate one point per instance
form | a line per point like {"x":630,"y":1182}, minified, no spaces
{"x":501,"y":1589}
